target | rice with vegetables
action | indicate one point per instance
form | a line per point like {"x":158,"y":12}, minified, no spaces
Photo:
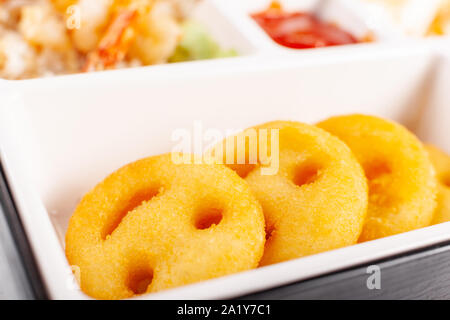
{"x":48,"y":37}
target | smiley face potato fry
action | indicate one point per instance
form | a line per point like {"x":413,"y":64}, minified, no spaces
{"x":402,"y":183}
{"x":317,"y":199}
{"x":154,"y":225}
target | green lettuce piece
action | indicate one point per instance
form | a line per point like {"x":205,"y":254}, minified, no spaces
{"x":197,"y":44}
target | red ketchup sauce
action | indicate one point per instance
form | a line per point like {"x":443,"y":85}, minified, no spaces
{"x":300,"y":30}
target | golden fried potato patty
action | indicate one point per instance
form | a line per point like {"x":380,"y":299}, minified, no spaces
{"x":316,"y":200}
{"x":154,"y":224}
{"x":402,"y":183}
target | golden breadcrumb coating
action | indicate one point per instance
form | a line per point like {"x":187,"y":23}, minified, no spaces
{"x":154,"y":225}
{"x":402,"y":183}
{"x":316,"y":201}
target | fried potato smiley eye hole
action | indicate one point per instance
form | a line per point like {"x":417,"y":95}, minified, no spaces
{"x":205,"y":218}
{"x":376,"y":169}
{"x":246,"y":169}
{"x":446,"y":180}
{"x":136,"y":200}
{"x":306,"y":173}
{"x":139,"y":280}
{"x":269,"y":231}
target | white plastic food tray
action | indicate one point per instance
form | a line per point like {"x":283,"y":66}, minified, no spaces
{"x":60,"y":136}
